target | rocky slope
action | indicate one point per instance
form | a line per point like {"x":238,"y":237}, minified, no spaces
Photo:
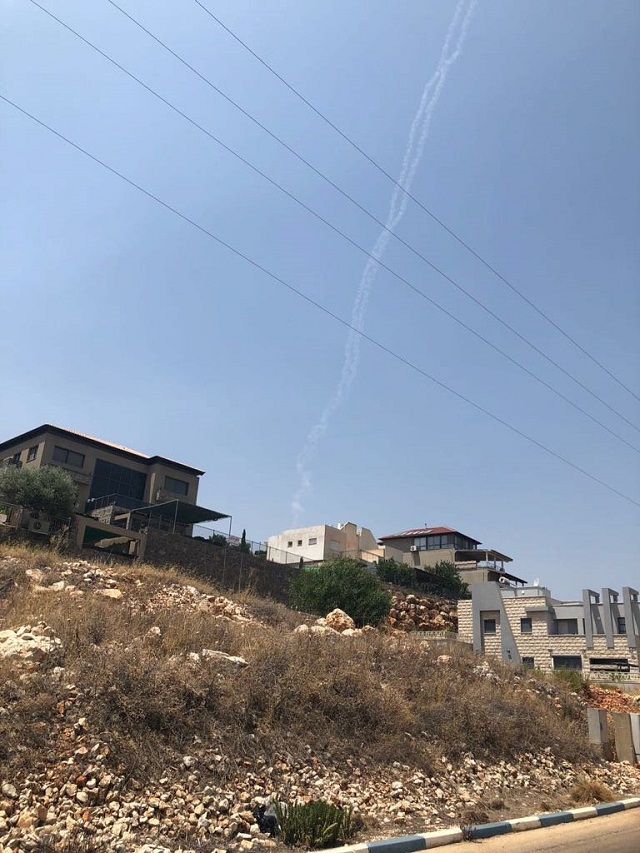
{"x":142,"y":713}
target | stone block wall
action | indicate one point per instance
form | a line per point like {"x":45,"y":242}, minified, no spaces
{"x":228,"y":568}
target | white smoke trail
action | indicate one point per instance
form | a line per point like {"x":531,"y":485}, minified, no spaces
{"x":413,"y":155}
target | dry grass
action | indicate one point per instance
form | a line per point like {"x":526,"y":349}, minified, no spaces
{"x":368,"y":697}
{"x":590,"y":791}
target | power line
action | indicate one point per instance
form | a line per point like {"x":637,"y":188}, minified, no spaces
{"x":201,"y":228}
{"x":360,"y":248}
{"x":416,"y":201}
{"x":353,"y":201}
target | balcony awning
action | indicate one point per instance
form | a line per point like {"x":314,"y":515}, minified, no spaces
{"x":476,"y":555}
{"x":181,"y":512}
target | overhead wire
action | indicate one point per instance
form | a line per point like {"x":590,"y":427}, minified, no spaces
{"x":342,"y":234}
{"x":313,"y":302}
{"x":417,"y":201}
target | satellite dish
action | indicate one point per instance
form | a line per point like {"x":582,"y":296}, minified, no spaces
{"x":536,"y":582}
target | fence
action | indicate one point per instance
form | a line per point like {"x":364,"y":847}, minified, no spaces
{"x":257,"y":549}
{"x":19,"y":521}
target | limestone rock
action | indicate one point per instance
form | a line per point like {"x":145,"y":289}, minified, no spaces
{"x":339,"y":620}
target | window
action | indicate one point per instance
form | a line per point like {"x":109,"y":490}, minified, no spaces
{"x":528,"y":663}
{"x":111,"y":479}
{"x":489,"y":626}
{"x":567,"y":662}
{"x":33,"y":452}
{"x":420,"y":542}
{"x":290,"y":544}
{"x":68,"y":457}
{"x":609,"y":665}
{"x":526,"y":626}
{"x":622,"y":625}
{"x":299,"y":542}
{"x":176,"y":487}
{"x":566,"y":626}
{"x":313,"y":540}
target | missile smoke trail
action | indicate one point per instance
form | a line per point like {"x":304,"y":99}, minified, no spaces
{"x":418,"y":135}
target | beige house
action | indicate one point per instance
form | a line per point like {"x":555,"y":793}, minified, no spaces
{"x":423,"y":547}
{"x":598,"y":636}
{"x":118,"y":488}
{"x":323,"y":541}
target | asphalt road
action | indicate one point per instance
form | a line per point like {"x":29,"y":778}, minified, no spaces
{"x":616,"y":833}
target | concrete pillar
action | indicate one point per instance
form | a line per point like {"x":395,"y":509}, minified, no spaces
{"x":635,"y":734}
{"x":608,"y":595}
{"x":587,"y":596}
{"x":599,"y":732}
{"x":624,"y":739}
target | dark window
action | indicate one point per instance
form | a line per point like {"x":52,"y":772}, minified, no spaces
{"x":176,"y":487}
{"x":68,"y":457}
{"x":290,"y":544}
{"x":420,"y":542}
{"x":567,"y":662}
{"x":528,"y":663}
{"x":111,"y":479}
{"x":622,"y":625}
{"x":489,"y":626}
{"x":313,"y":540}
{"x":299,"y":542}
{"x":525,"y":626}
{"x":610,"y":664}
{"x":33,"y":452}
{"x":15,"y":458}
{"x":566,"y":626}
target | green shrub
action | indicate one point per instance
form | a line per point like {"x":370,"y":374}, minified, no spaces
{"x":571,"y":677}
{"x":448,"y":578}
{"x":397,"y":573}
{"x":344,"y":583}
{"x":49,"y":490}
{"x":315,"y":824}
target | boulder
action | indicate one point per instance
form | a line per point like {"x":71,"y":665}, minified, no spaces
{"x":339,"y":620}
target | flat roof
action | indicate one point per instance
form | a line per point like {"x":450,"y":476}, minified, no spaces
{"x":92,"y":441}
{"x":427,"y":531}
{"x":470,"y":554}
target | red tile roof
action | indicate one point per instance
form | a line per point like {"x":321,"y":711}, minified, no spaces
{"x":426,"y":531}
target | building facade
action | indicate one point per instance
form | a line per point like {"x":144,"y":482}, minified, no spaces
{"x":423,"y":547}
{"x":598,"y":636}
{"x":118,"y":489}
{"x":324,"y":541}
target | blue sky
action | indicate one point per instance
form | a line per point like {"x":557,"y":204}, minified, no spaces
{"x":122,"y":321}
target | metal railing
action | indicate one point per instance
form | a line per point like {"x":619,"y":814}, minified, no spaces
{"x":256,"y":549}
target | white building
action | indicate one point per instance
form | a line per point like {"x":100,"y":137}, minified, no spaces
{"x":323,"y":541}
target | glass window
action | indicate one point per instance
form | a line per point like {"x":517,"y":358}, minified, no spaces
{"x":15,"y":458}
{"x":313,"y":540}
{"x":33,"y":452}
{"x":566,"y":626}
{"x":176,"y":487}
{"x":290,"y":544}
{"x":489,"y":626}
{"x":68,"y":457}
{"x":528,"y":663}
{"x":567,"y":662}
{"x":111,"y":479}
{"x":299,"y":542}
{"x":622,"y":625}
{"x":526,"y":626}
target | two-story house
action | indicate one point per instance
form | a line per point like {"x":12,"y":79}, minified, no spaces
{"x":117,"y":487}
{"x":324,"y":541}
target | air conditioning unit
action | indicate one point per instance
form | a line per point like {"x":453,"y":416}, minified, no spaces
{"x":36,"y":525}
{"x":414,"y":548}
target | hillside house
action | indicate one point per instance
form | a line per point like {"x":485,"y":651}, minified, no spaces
{"x":423,"y":547}
{"x":598,"y":636}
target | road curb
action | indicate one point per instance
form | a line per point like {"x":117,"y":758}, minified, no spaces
{"x":431,"y":840}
